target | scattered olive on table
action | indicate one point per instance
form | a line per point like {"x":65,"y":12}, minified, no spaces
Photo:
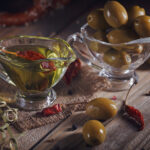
{"x":94,"y":132}
{"x":101,"y":109}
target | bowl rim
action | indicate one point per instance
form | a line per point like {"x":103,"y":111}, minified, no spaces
{"x":67,"y":59}
{"x":84,"y":33}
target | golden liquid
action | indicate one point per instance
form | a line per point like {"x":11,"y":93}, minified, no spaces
{"x":27,"y":75}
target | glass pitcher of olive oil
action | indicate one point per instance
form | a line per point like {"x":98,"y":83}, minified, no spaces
{"x":34,"y":65}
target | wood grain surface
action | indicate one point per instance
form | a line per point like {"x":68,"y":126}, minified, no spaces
{"x":121,"y":135}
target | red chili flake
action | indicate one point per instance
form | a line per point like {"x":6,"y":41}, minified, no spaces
{"x":135,"y":115}
{"x":52,"y":110}
{"x":114,"y":98}
{"x":72,"y":71}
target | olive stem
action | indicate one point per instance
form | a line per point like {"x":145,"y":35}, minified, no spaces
{"x":125,"y":101}
{"x":107,"y":121}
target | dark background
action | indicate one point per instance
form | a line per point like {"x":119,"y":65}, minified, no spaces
{"x":57,"y":20}
{"x":21,"y":5}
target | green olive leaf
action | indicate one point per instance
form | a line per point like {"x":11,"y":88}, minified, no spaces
{"x":8,"y":115}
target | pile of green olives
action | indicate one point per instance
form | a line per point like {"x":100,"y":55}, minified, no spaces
{"x":94,"y":132}
{"x":115,"y":24}
{"x":101,"y":109}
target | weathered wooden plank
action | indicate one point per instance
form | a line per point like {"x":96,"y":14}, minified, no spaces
{"x":120,"y":133}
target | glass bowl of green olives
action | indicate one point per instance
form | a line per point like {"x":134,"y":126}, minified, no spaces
{"x":115,"y":41}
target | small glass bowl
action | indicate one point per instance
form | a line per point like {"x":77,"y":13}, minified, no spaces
{"x":34,"y":79}
{"x":100,"y":55}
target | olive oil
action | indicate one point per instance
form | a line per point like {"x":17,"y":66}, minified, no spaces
{"x":28,"y":75}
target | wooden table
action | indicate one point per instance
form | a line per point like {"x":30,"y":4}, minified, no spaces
{"x":121,"y":135}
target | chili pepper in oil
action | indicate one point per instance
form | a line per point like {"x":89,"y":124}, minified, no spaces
{"x":33,"y":55}
{"x":72,"y":71}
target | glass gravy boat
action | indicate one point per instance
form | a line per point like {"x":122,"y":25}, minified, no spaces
{"x":102,"y":55}
{"x":34,"y":65}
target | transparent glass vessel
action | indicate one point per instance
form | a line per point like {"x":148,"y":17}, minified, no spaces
{"x":97,"y":53}
{"x":34,"y":79}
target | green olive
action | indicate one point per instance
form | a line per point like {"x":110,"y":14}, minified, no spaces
{"x":117,"y":59}
{"x":134,"y":12}
{"x":118,"y":36}
{"x":142,"y":26}
{"x":135,"y":48}
{"x":96,"y":20}
{"x":115,"y":14}
{"x":97,"y":47}
{"x":101,"y":109}
{"x":94,"y":132}
{"x":113,"y":58}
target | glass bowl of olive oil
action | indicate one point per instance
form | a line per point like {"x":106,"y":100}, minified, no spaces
{"x":34,"y":65}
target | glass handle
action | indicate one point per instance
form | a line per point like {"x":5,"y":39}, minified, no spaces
{"x":80,"y":48}
{"x":5,"y":77}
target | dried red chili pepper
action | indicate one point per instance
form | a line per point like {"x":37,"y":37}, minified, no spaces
{"x":72,"y":71}
{"x":38,"y":9}
{"x":135,"y":115}
{"x":52,"y":110}
{"x":48,"y":65}
{"x":30,"y":55}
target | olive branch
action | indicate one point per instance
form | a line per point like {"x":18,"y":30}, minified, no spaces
{"x":8,"y":115}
